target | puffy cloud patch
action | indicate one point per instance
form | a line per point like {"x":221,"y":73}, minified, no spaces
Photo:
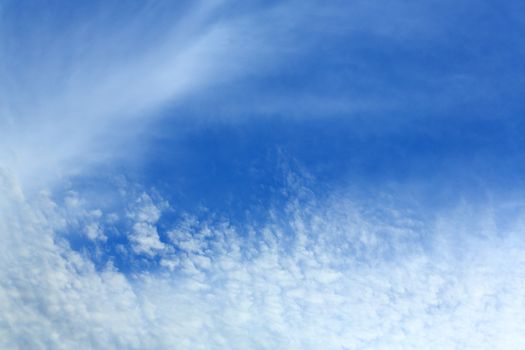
{"x":322,"y":275}
{"x":144,"y":237}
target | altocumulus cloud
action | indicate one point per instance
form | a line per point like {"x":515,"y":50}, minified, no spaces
{"x":330,"y":271}
{"x":324,"y":274}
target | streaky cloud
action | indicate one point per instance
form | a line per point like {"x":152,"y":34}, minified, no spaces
{"x":62,"y":109}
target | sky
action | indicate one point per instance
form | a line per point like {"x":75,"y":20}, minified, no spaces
{"x":262,"y":174}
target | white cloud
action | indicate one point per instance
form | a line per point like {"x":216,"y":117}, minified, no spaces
{"x":94,"y":232}
{"x":53,"y":297}
{"x":99,"y":84}
{"x":316,"y":285}
{"x":327,"y":275}
{"x":145,"y":239}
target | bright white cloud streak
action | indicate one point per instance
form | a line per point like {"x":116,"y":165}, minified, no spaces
{"x":74,"y":94}
{"x":95,"y":84}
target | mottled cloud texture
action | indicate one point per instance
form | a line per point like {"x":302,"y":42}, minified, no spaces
{"x":330,"y":275}
{"x":321,"y":268}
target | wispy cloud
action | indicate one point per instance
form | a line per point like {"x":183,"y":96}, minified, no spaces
{"x":333,"y":271}
{"x":70,"y":83}
{"x":65,"y":105}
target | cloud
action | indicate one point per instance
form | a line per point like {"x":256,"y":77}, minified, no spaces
{"x":333,"y":273}
{"x":79,"y":87}
{"x":61,"y":109}
{"x":83,"y":88}
{"x":324,"y":274}
{"x":49,"y":292}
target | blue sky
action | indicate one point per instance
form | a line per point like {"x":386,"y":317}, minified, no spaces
{"x":262,"y":175}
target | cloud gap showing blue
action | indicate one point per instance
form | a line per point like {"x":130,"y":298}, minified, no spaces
{"x":262,"y":175}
